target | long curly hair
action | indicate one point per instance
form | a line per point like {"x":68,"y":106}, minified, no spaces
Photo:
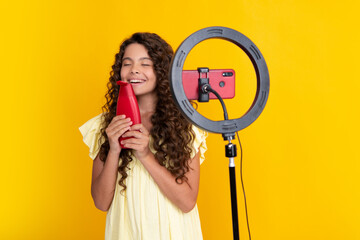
{"x":172,"y":134}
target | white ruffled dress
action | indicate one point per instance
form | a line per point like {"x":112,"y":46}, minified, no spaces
{"x":142,"y":211}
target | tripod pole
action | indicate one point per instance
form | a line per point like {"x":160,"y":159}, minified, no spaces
{"x":233,"y":199}
{"x":230,"y":152}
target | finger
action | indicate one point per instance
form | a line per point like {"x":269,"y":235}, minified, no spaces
{"x":118,"y":126}
{"x":116,"y":134}
{"x":133,"y":143}
{"x":121,"y":132}
{"x":122,"y":116}
{"x":133,"y":146}
{"x":136,"y":134}
{"x":135,"y":137}
{"x":120,"y":122}
{"x":117,"y":117}
{"x":141,"y":128}
{"x":121,"y":129}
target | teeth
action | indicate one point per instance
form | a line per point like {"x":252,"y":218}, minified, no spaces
{"x":136,"y":81}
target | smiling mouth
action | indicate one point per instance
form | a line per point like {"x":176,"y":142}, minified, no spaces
{"x":136,"y":81}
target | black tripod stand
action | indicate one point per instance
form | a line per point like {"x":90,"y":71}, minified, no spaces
{"x":230,"y":149}
{"x":230,"y":152}
{"x":204,"y":89}
{"x":227,"y":127}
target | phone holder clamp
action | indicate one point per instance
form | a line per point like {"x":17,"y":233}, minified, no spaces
{"x":203,"y":84}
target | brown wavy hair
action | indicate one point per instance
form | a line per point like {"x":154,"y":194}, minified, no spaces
{"x":172,"y":134}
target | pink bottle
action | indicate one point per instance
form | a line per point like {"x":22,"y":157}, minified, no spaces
{"x":127,"y":105}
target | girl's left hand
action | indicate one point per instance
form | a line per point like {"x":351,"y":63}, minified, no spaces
{"x":139,"y":140}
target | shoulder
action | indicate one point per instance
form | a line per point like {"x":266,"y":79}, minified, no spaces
{"x":199,"y":143}
{"x":200,"y":134}
{"x":90,"y":131}
{"x":93,"y":122}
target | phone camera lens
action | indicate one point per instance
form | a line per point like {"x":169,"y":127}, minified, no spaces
{"x":227,"y":74}
{"x":222,"y":84}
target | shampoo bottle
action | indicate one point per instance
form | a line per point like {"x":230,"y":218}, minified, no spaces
{"x":127,"y":105}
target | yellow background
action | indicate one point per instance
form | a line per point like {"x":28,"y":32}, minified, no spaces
{"x":301,"y":156}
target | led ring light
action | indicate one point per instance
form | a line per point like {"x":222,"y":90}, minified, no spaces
{"x":262,"y":75}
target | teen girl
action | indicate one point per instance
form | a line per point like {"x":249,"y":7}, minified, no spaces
{"x":149,"y":190}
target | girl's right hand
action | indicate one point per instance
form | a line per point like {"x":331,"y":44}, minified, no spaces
{"x":117,"y":127}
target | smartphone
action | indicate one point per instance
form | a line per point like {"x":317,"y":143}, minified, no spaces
{"x":221,"y":80}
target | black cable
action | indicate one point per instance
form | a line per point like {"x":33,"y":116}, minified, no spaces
{"x":242,"y":184}
{"x":207,"y":88}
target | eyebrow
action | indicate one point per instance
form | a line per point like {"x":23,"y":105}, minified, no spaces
{"x":143,"y":58}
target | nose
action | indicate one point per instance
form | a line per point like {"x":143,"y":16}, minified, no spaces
{"x":134,"y":69}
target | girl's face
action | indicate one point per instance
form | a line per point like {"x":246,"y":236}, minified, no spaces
{"x":138,"y":69}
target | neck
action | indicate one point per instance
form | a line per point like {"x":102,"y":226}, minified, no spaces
{"x":147,"y":107}
{"x":147,"y":103}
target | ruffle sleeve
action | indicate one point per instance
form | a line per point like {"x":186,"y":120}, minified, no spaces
{"x":199,"y":143}
{"x":91,"y":134}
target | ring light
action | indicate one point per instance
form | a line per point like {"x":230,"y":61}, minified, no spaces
{"x":262,"y":75}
